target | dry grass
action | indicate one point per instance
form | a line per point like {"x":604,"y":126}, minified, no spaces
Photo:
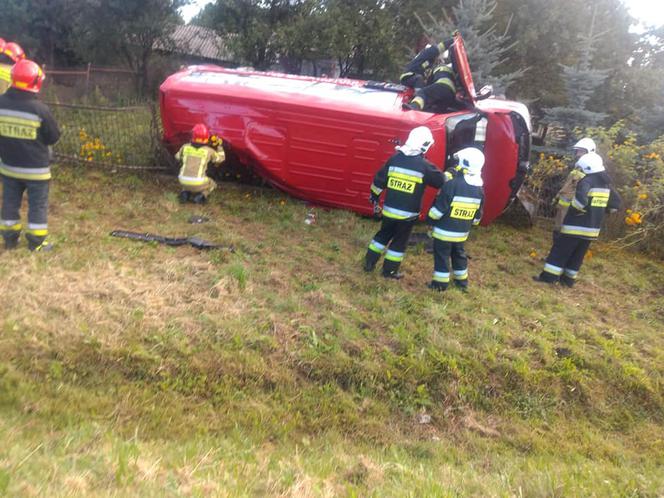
{"x":283,"y":370}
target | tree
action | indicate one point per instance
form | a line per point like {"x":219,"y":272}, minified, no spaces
{"x":44,"y":28}
{"x":487,"y":47}
{"x":127,"y":30}
{"x":251,"y":26}
{"x":362,"y":37}
{"x":581,"y":81}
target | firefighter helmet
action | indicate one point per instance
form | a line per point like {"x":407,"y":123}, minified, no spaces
{"x":27,"y":76}
{"x":419,"y":140}
{"x":470,"y":160}
{"x":587,"y":144}
{"x":200,"y":134}
{"x":590,"y":163}
{"x":13,"y":51}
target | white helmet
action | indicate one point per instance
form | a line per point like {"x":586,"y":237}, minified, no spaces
{"x":419,"y":141}
{"x":587,"y":144}
{"x":590,"y":163}
{"x":471,"y":162}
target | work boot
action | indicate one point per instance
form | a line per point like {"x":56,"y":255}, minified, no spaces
{"x":567,"y":281}
{"x":462,"y":285}
{"x":391,"y":270}
{"x":545,"y":279}
{"x":38,"y":244}
{"x":11,"y":240}
{"x":437,"y":286}
{"x":184,"y":196}
{"x":370,"y":260}
{"x":199,"y":199}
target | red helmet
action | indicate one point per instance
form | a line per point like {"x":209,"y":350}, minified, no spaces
{"x":200,"y":134}
{"x":13,"y":51}
{"x":27,"y":76}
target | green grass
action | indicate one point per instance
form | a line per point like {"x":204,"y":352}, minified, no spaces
{"x":283,"y":370}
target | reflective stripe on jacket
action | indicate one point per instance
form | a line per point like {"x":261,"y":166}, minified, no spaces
{"x":405,"y":179}
{"x":195,"y":160}
{"x":27,"y":129}
{"x":458,"y":206}
{"x":592,"y":199}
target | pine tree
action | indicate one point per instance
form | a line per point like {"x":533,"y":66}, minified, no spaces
{"x":486,"y":47}
{"x":581,"y":82}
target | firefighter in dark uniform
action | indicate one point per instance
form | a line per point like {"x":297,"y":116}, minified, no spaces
{"x":439,"y":95}
{"x":564,"y":197}
{"x":457,"y":207}
{"x":593,"y":198}
{"x":27,"y":130}
{"x":435,"y":85}
{"x":404,"y":177}
{"x":418,"y":71}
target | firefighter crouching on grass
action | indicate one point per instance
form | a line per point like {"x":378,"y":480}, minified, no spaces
{"x":593,"y":197}
{"x":10,"y":54}
{"x":564,"y":197}
{"x":457,"y":207}
{"x":27,"y":129}
{"x":195,"y":158}
{"x":404,"y":176}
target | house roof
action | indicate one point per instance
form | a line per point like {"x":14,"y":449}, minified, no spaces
{"x":195,"y":41}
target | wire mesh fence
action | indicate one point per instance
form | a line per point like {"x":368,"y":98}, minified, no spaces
{"x":111,"y":137}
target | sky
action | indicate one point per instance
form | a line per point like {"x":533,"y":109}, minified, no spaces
{"x":647,"y":12}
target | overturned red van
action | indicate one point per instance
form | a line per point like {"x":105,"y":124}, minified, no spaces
{"x":322,"y":140}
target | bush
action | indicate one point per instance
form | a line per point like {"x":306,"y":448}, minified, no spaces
{"x":637,"y":171}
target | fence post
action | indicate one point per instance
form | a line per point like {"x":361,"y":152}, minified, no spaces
{"x":87,"y":81}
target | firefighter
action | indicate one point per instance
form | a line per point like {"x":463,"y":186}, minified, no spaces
{"x":592,"y":199}
{"x":404,"y":178}
{"x":439,"y":95}
{"x":563,"y":198}
{"x":196,"y":157}
{"x":457,"y":207}
{"x":419,"y":70}
{"x":27,"y":130}
{"x":10,"y":54}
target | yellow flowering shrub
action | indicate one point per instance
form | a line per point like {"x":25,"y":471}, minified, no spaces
{"x":546,"y":177}
{"x":93,"y":149}
{"x":637,"y":171}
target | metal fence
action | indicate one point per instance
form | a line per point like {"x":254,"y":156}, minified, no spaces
{"x":111,"y":137}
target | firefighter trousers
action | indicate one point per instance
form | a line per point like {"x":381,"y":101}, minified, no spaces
{"x":10,"y":222}
{"x":391,"y":239}
{"x":435,"y":98}
{"x":565,"y":259}
{"x":443,"y":252}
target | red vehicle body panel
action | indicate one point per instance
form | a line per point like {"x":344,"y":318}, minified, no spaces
{"x":320,"y":139}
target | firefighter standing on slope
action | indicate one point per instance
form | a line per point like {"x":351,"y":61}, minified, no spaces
{"x":404,"y":177}
{"x":593,"y":197}
{"x":564,"y":197}
{"x":196,"y":157}
{"x":10,"y":54}
{"x":457,"y":207}
{"x":27,"y":130}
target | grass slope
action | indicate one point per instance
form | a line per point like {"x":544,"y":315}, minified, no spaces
{"x":282,"y":369}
